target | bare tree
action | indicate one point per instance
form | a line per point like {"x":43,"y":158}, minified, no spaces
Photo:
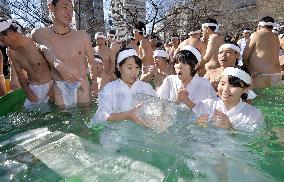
{"x":34,"y":13}
{"x":31,"y":13}
{"x":157,"y":12}
{"x":175,"y":16}
{"x":89,"y":16}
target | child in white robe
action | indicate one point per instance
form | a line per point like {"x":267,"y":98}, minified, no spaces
{"x":228,"y":110}
{"x":114,"y":101}
{"x":197,"y":88}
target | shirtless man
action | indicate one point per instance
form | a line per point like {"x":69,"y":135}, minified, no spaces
{"x":175,"y":45}
{"x":112,"y":43}
{"x":212,"y":41}
{"x":106,"y":54}
{"x":133,"y":43}
{"x":228,"y":56}
{"x":66,"y":51}
{"x":153,"y":40}
{"x":160,"y":70}
{"x":146,"y":54}
{"x":2,"y":78}
{"x":14,"y":81}
{"x":26,"y":57}
{"x":261,"y":54}
{"x":194,"y":40}
{"x":168,"y":46}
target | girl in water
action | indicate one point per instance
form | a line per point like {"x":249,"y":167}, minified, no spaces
{"x":114,"y":101}
{"x":229,"y":110}
{"x":186,"y":80}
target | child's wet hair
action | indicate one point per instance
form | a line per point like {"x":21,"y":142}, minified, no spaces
{"x":236,"y":82}
{"x":138,"y":61}
{"x":187,"y":57}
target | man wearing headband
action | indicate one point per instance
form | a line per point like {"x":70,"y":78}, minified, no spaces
{"x":106,"y":54}
{"x":146,"y":54}
{"x":133,"y":43}
{"x":26,"y":58}
{"x":194,"y":40}
{"x":102,"y":77}
{"x":261,"y":54}
{"x":175,"y":44}
{"x":243,"y":41}
{"x":66,"y":50}
{"x":228,"y":55}
{"x":112,"y":43}
{"x":158,"y":72}
{"x":212,"y":41}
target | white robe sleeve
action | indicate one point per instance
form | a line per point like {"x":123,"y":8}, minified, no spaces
{"x":164,"y":89}
{"x":148,"y":89}
{"x":208,"y":91}
{"x":248,"y":120}
{"x":104,"y":106}
{"x":201,"y":89}
{"x":204,"y":107}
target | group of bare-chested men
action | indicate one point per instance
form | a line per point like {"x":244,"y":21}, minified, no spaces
{"x":55,"y":61}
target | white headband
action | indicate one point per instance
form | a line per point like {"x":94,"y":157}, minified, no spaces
{"x":236,"y":72}
{"x":99,"y":60}
{"x":262,"y":23}
{"x":125,"y":54}
{"x":100,"y":35}
{"x":230,"y":46}
{"x":194,"y":51}
{"x":161,"y":53}
{"x":247,"y":31}
{"x":194,"y":32}
{"x":136,"y":30}
{"x":211,"y":25}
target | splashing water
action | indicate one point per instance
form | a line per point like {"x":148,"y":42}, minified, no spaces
{"x":58,"y":146}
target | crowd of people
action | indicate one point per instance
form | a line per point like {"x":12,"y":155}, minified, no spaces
{"x":211,"y":77}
